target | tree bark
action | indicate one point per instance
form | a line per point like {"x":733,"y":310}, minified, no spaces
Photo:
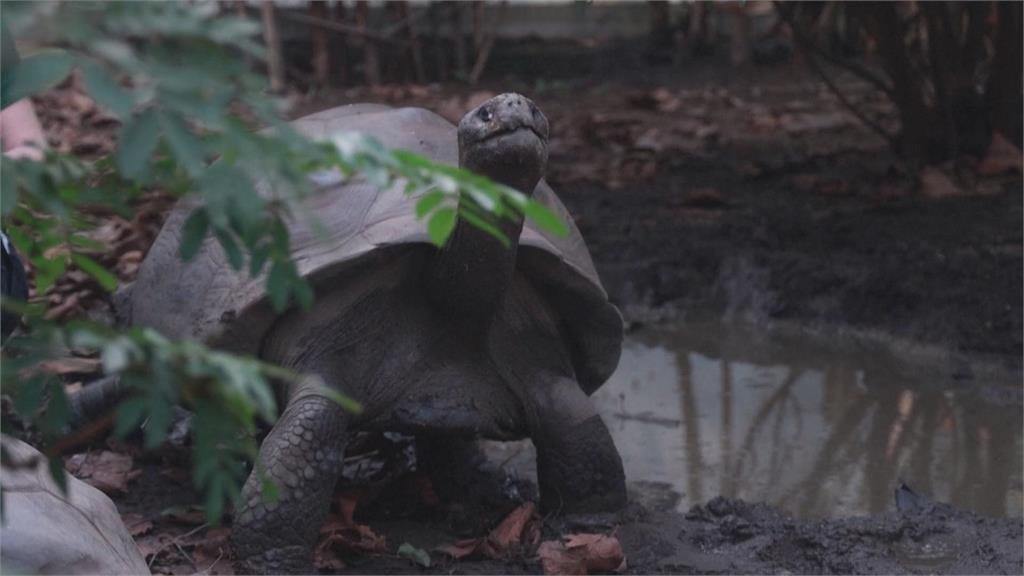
{"x":1003,"y":91}
{"x":275,"y":62}
{"x":907,"y":90}
{"x":440,"y":56}
{"x":337,"y":15}
{"x":371,"y":60}
{"x":321,"y":59}
{"x":459,"y":39}
{"x":415,"y":50}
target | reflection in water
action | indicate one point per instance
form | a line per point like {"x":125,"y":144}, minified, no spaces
{"x":816,"y":430}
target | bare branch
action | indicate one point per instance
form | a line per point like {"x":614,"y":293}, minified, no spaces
{"x":808,"y":44}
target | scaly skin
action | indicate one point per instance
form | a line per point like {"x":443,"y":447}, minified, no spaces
{"x":302,"y":455}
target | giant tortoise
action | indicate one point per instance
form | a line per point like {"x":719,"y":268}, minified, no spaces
{"x":474,"y":339}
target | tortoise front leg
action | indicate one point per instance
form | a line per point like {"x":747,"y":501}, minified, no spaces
{"x":302,"y":455}
{"x":578,"y":467}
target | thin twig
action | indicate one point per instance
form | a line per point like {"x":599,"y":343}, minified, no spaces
{"x":809,"y":45}
{"x":339,"y":27}
{"x":484,"y":53}
{"x":863,"y":117}
{"x":210,"y":567}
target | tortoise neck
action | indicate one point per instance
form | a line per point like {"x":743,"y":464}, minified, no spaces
{"x":471,"y":273}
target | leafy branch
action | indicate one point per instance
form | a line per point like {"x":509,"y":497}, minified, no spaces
{"x":188,"y":106}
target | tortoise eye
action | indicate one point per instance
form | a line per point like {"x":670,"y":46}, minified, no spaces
{"x":484,"y":114}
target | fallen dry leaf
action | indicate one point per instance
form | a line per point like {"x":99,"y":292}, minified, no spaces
{"x":191,"y":515}
{"x":582,"y":554}
{"x":520,"y":527}
{"x":936,"y":184}
{"x":105,"y":470}
{"x":136,"y":524}
{"x":1002,"y":157}
{"x":212,"y":553}
{"x":341,"y":534}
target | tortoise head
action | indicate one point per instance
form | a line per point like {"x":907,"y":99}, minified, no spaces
{"x":505,"y":139}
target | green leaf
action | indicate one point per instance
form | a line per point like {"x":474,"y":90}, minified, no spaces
{"x":185,"y":146}
{"x":268,"y":489}
{"x":342,"y":400}
{"x":36,"y":74}
{"x":414,"y":554}
{"x":545,"y":218}
{"x":8,"y":187}
{"x":128,"y":416}
{"x":440,"y":225}
{"x":158,"y":422}
{"x":215,"y":498}
{"x":428,"y":202}
{"x":476,"y":220}
{"x":193,"y":232}
{"x":137,"y":142}
{"x":103,"y":276}
{"x":231,"y":249}
{"x":57,"y":472}
{"x":277,"y":285}
{"x":105,"y":91}
{"x":257,"y":259}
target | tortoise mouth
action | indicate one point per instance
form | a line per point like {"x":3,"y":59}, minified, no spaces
{"x":510,"y":131}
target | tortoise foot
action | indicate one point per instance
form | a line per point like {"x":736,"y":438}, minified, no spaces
{"x":283,"y":560}
{"x":579,"y":469}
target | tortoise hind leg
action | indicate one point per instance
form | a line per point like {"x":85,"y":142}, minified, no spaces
{"x":578,"y":467}
{"x":302,"y":455}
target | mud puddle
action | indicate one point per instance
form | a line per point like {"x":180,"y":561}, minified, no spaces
{"x":814,"y":427}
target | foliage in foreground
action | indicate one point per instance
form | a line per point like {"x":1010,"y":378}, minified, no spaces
{"x":176,"y":77}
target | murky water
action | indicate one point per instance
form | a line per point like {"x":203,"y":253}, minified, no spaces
{"x":816,"y":428}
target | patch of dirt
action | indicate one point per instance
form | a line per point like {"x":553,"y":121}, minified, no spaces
{"x":724,"y":536}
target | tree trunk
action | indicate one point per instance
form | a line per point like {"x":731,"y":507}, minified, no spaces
{"x":459,"y":39}
{"x":371,"y":60}
{"x":1003,"y":91}
{"x":337,"y":14}
{"x":321,"y":59}
{"x":415,"y":49}
{"x":440,"y":56}
{"x":659,"y":47}
{"x":907,"y":90}
{"x":275,"y":63}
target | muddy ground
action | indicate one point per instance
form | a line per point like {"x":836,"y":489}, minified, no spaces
{"x":702,"y":191}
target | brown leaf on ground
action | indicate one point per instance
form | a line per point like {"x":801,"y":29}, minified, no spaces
{"x":934,"y":183}
{"x":136,"y":524}
{"x":64,"y":309}
{"x":660,"y":99}
{"x":212,"y":553}
{"x":1002,"y":157}
{"x":104,"y":470}
{"x":340,"y":534}
{"x":179,"y":475}
{"x":582,"y":554}
{"x":191,"y":515}
{"x":153,"y":544}
{"x":519,"y":528}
